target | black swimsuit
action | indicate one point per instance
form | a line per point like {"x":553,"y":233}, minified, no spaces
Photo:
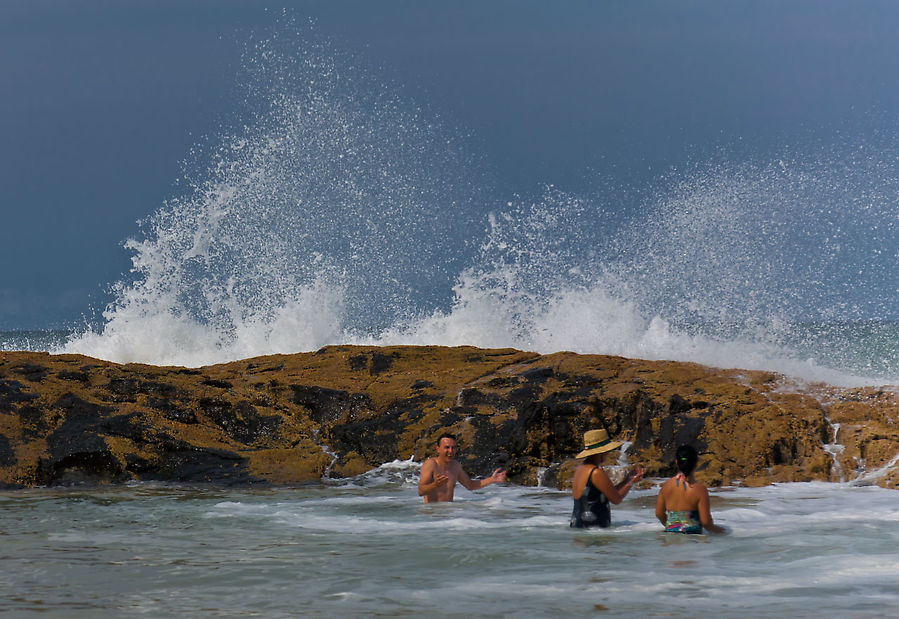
{"x":592,"y":508}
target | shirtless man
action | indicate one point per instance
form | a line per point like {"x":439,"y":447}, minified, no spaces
{"x":439,"y":475}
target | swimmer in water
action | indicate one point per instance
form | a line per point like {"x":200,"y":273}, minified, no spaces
{"x":591,"y":487}
{"x":683,"y":504}
{"x":439,"y":475}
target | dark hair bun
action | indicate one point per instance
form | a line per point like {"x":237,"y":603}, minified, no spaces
{"x":685,"y":459}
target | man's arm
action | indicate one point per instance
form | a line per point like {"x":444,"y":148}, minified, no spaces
{"x":468,"y":483}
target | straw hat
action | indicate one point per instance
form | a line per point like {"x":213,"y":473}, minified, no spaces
{"x":597,"y":442}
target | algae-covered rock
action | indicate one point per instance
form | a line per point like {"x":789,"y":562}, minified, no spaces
{"x":346,"y":409}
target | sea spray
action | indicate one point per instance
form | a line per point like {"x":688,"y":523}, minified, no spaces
{"x":339,"y":213}
{"x":335,"y":209}
{"x":687,"y":283}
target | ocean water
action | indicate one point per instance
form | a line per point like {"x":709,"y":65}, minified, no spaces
{"x":369,"y":547}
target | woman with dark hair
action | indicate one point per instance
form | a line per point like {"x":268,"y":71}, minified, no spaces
{"x":683,"y":504}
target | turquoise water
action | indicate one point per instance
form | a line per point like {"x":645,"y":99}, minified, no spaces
{"x":369,"y":547}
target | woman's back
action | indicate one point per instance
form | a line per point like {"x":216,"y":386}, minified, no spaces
{"x":593,"y":491}
{"x":680,"y":495}
{"x":683,"y":504}
{"x":591,"y":506}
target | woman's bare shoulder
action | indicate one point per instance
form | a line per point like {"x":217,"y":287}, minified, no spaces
{"x":581,"y":470}
{"x":699,"y":489}
{"x":579,"y":479}
{"x":668,"y":483}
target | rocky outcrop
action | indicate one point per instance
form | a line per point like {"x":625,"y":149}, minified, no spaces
{"x":344,"y":410}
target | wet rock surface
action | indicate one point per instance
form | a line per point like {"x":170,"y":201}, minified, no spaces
{"x":344,"y":410}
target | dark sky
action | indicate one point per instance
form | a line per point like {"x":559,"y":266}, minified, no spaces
{"x":101,"y":101}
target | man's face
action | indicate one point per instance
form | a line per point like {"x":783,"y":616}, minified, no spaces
{"x":446,"y":448}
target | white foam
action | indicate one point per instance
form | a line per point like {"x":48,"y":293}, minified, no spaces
{"x":869,"y":477}
{"x":343,"y":215}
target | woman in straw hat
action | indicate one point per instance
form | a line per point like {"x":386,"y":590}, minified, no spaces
{"x":591,"y":487}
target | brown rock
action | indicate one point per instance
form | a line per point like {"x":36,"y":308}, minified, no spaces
{"x":346,"y":409}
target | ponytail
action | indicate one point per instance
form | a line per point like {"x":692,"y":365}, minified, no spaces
{"x":685,"y":459}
